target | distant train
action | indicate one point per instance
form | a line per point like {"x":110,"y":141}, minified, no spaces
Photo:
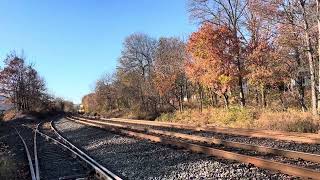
{"x":81,"y":109}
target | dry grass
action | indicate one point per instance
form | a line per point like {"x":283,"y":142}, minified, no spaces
{"x":10,"y":114}
{"x":291,"y":120}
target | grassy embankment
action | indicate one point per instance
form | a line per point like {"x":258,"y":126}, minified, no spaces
{"x":290,"y":120}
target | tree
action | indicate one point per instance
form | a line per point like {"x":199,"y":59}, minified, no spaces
{"x":137,"y":60}
{"x":212,"y":50}
{"x":89,"y":103}
{"x":228,"y":14}
{"x":106,"y":95}
{"x":22,"y":84}
{"x":169,"y":78}
{"x":295,"y":19}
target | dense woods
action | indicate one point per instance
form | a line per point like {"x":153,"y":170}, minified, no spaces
{"x":260,"y":54}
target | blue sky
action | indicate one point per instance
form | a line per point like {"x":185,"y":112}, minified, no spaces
{"x":73,"y":42}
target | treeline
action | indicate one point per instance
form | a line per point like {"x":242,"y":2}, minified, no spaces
{"x":26,"y":89}
{"x":262,"y":53}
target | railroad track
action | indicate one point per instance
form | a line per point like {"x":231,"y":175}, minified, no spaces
{"x":294,"y":163}
{"x":311,"y":138}
{"x":53,"y":157}
{"x":305,"y":142}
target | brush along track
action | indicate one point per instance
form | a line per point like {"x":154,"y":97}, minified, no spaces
{"x":267,"y":140}
{"x":60,"y":160}
{"x":259,"y":162}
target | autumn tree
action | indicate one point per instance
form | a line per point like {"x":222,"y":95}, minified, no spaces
{"x":170,"y":80}
{"x":227,"y":14}
{"x":89,"y":103}
{"x":22,"y":84}
{"x":262,"y":67}
{"x":262,"y":58}
{"x":212,"y":49}
{"x":106,"y":94}
{"x":294,"y":20}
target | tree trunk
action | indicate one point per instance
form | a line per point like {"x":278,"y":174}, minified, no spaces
{"x":239,"y":66}
{"x":181,"y":99}
{"x":187,"y":90}
{"x":200,"y":97}
{"x":226,"y":100}
{"x":242,"y":98}
{"x":263,"y":96}
{"x":216,"y":100}
{"x":257,"y":97}
{"x":310,"y":60}
{"x":312,"y":76}
{"x":180,"y":104}
{"x":283,"y":100}
{"x":318,"y":21}
{"x":300,"y":81}
{"x":301,"y":95}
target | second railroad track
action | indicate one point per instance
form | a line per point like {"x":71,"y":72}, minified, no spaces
{"x":51,"y":156}
{"x":300,"y":164}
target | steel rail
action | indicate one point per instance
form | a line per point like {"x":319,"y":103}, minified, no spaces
{"x":101,"y":169}
{"x":35,"y":152}
{"x":262,"y":149}
{"x":258,"y":162}
{"x":33,"y":177}
{"x":102,"y":175}
{"x":314,"y":139}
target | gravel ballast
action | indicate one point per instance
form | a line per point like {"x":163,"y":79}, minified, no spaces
{"x":140,"y":159}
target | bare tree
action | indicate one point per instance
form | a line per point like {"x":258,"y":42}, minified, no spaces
{"x":137,"y":60}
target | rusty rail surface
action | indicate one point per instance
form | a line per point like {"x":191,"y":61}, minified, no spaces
{"x":285,"y":136}
{"x":262,"y":149}
{"x":258,"y":162}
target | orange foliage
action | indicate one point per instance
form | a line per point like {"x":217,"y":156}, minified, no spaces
{"x":212,"y":57}
{"x":169,"y":63}
{"x":261,"y":64}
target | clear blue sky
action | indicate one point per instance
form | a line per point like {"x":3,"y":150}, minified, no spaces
{"x":73,"y":42}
